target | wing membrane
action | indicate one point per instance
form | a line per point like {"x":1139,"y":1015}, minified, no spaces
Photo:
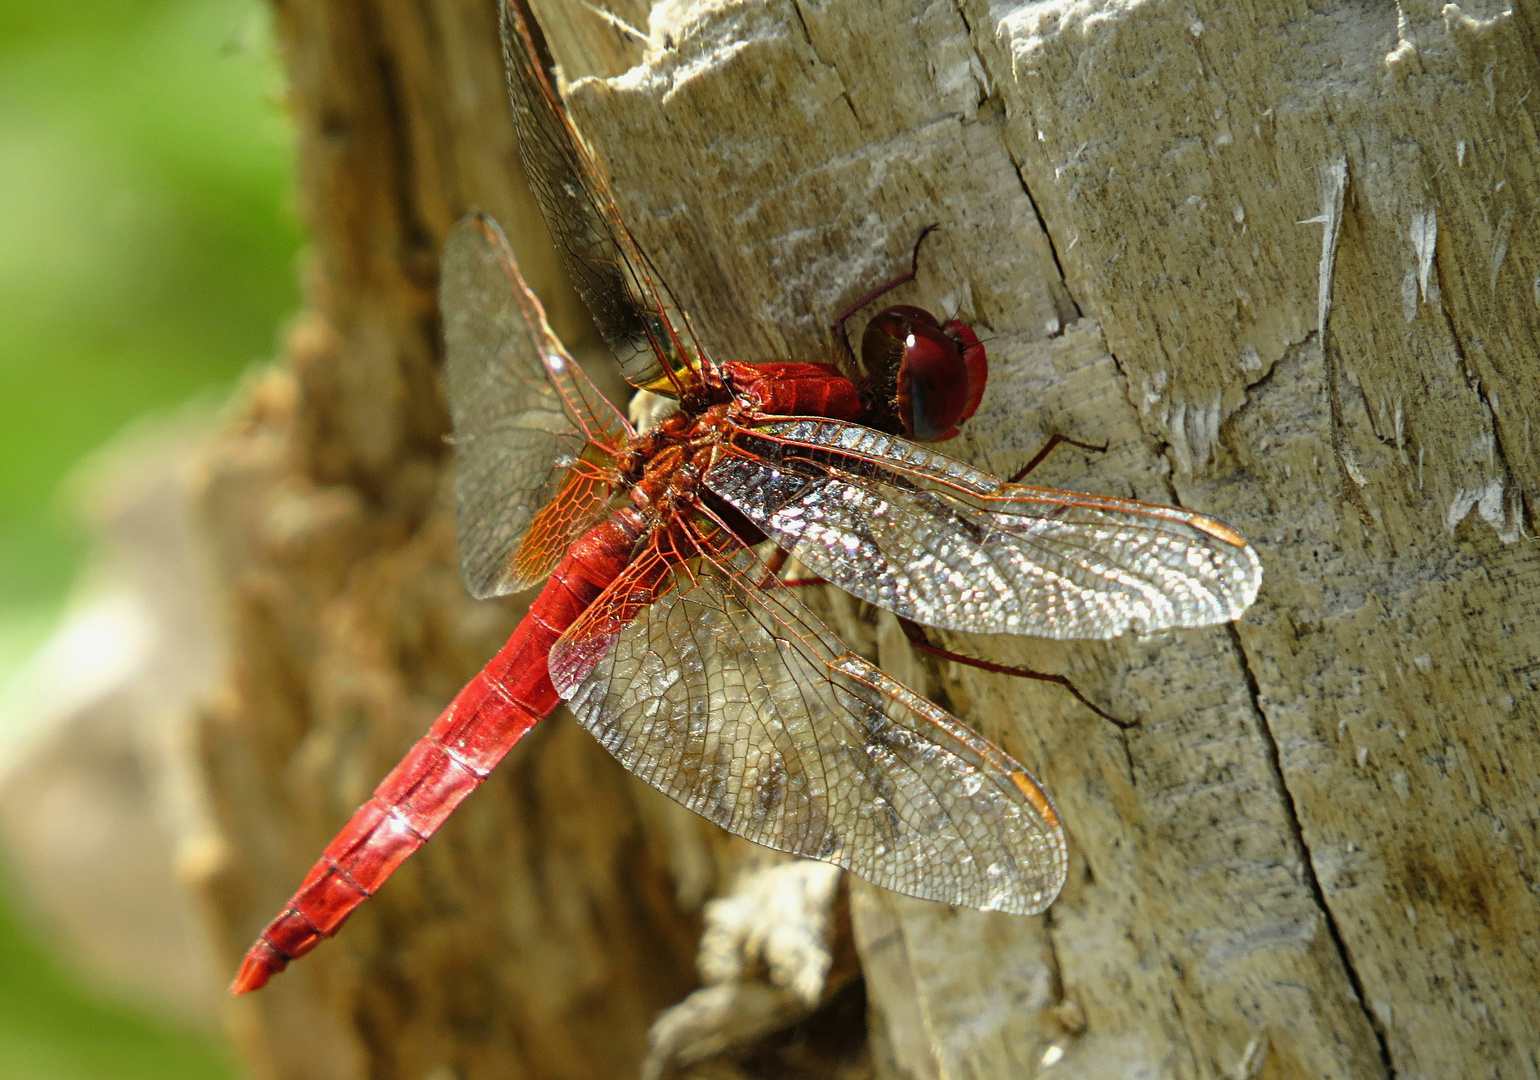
{"x":737,"y":702}
{"x":531,"y":431}
{"x":939,"y":542}
{"x":649,"y":335}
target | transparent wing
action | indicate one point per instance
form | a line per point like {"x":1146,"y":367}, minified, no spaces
{"x":939,"y":542}
{"x":737,"y":702}
{"x":532,"y":434}
{"x":644,"y":328}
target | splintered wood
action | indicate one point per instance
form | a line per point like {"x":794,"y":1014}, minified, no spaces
{"x":1281,"y":261}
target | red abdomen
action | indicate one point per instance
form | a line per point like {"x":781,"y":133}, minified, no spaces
{"x":464,"y":744}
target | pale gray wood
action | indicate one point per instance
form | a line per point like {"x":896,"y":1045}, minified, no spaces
{"x":1313,"y":855}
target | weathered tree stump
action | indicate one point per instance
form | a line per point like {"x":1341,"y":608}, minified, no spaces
{"x":1283,"y":262}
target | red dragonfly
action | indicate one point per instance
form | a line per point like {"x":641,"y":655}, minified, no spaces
{"x":663,"y":623}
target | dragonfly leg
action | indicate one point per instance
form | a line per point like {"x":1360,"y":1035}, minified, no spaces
{"x":916,"y":635}
{"x":841,"y":337}
{"x":1037,"y":459}
{"x":773,"y":566}
{"x":776,"y":562}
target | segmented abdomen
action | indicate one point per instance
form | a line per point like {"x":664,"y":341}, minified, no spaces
{"x":465,"y":743}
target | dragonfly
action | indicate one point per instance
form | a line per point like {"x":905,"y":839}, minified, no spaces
{"x":663,"y":622}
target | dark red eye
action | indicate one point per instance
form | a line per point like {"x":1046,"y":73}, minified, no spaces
{"x":941,"y":369}
{"x":975,"y":363}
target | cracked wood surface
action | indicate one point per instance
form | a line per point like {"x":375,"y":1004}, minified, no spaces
{"x":1318,"y":838}
{"x":1313,"y":855}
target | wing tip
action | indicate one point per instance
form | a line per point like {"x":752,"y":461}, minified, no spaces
{"x":1033,"y":904}
{"x":1252,"y":585}
{"x":1240,"y":592}
{"x":1218,"y":530}
{"x":1034,"y":794}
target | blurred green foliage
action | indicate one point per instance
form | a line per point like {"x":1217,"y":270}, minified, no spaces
{"x":50,"y":1029}
{"x":145,"y":248}
{"x":147,"y":252}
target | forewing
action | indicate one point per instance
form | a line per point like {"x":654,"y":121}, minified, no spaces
{"x":737,"y":702}
{"x":532,"y":433}
{"x":649,"y":335}
{"x":939,"y":542}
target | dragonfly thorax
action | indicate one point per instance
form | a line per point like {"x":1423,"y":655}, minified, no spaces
{"x":672,"y":457}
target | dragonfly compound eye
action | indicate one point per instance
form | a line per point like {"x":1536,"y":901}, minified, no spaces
{"x":941,"y":370}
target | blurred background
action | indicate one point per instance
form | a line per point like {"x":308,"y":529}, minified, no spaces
{"x":147,"y":259}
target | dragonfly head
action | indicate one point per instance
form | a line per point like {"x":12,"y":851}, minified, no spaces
{"x":937,"y":370}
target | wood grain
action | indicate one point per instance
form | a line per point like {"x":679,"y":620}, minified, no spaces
{"x":1313,"y":855}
